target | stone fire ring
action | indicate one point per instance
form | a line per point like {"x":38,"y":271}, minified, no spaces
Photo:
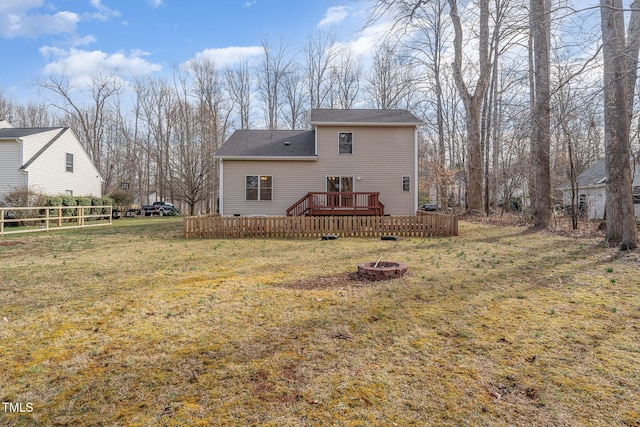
{"x":384,"y":271}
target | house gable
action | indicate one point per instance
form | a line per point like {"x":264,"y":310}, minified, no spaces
{"x":41,"y":162}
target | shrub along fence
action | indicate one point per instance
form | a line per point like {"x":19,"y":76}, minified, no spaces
{"x":45,"y":218}
{"x":217,"y":227}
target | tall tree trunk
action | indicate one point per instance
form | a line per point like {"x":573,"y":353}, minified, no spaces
{"x":621,"y":224}
{"x":473,"y":102}
{"x":540,"y":16}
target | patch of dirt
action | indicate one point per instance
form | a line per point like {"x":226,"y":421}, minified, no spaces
{"x":560,"y":225}
{"x":12,"y":243}
{"x":628,"y":257}
{"x":337,"y":281}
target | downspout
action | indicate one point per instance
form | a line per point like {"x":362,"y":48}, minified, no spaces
{"x":415,"y":170}
{"x":221,"y":191}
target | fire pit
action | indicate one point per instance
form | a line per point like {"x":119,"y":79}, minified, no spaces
{"x":381,"y":270}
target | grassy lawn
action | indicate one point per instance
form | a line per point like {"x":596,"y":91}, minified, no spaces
{"x":133,"y":325}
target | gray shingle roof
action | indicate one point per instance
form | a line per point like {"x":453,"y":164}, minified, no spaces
{"x":364,"y":116}
{"x":269,"y":143}
{"x":597,"y":175}
{"x":21,"y":132}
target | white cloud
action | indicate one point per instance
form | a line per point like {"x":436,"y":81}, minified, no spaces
{"x":249,"y":3}
{"x":20,"y":24}
{"x":79,"y":62}
{"x":334,"y":15}
{"x":227,"y":56}
{"x":367,"y":40}
{"x":103,"y":13}
{"x":155,"y":3}
{"x":16,"y":6}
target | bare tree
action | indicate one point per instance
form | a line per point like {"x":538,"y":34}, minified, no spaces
{"x":295,"y":96}
{"x":240,"y":86}
{"x":320,"y":54}
{"x":157,"y":100}
{"x":472,"y":101}
{"x":390,"y":79}
{"x":213,"y":115}
{"x":89,"y":121}
{"x":275,"y":65}
{"x":539,"y":20}
{"x":187,"y":161}
{"x":347,"y":74}
{"x":621,"y":224}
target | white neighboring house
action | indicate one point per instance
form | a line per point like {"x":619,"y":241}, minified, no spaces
{"x":591,"y":190}
{"x":49,"y":160}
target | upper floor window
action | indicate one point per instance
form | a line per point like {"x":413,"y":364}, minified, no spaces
{"x":345,"y":143}
{"x":69,"y":162}
{"x":406,"y":183}
{"x":258,"y":187}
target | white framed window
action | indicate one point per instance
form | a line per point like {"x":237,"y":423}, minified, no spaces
{"x":68,"y":192}
{"x":69,"y":162}
{"x":345,"y":143}
{"x":258,"y":187}
{"x":406,"y":183}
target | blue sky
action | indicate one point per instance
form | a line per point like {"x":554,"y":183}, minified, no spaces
{"x":150,"y":37}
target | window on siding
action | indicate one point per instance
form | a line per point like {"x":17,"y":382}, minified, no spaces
{"x":406,"y":183}
{"x":68,"y":192}
{"x":582,"y":203}
{"x":345,"y":143}
{"x":258,"y":187}
{"x":69,"y":162}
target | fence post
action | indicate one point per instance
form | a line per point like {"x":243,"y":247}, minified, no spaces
{"x":1,"y":222}
{"x":46,"y":216}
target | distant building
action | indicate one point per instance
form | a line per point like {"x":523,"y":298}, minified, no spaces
{"x":49,"y":160}
{"x":591,"y":190}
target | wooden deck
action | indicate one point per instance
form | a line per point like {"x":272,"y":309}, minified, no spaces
{"x":338,"y":204}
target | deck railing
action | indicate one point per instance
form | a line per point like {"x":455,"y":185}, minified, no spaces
{"x":338,"y":203}
{"x":217,"y":227}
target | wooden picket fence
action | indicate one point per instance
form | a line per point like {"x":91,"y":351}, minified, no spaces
{"x":217,"y":227}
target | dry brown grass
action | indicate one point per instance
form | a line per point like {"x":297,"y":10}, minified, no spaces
{"x":133,"y":325}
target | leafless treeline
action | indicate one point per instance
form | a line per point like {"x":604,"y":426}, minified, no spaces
{"x":467,"y":68}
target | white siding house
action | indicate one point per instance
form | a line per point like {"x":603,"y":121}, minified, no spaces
{"x":365,"y":151}
{"x":591,"y":194}
{"x":47,"y":160}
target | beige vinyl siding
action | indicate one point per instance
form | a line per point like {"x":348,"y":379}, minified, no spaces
{"x":10,"y":162}
{"x":49,"y":169}
{"x":290,"y":181}
{"x":381,"y":157}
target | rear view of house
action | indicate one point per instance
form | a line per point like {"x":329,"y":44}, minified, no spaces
{"x":48,"y":160}
{"x":352,"y":162}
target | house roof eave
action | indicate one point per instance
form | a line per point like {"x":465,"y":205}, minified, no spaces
{"x":365,"y":124}
{"x":271,"y":158}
